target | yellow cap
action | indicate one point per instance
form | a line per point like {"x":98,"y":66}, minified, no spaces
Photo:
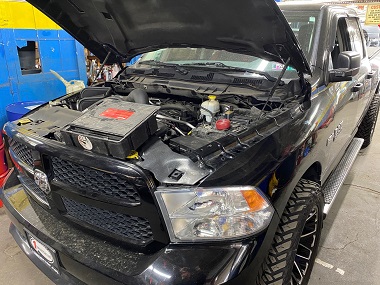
{"x":133,"y":155}
{"x":24,"y":121}
{"x":211,"y":97}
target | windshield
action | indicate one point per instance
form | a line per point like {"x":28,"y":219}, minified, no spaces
{"x":302,"y":24}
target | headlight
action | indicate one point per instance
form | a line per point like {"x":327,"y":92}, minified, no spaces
{"x":202,"y":214}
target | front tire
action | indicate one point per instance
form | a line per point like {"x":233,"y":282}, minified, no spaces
{"x":294,"y":248}
{"x":367,"y":126}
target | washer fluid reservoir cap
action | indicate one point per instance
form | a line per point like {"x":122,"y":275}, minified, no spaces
{"x":211,"y":97}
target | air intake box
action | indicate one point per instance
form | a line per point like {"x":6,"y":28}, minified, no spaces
{"x":112,"y":127}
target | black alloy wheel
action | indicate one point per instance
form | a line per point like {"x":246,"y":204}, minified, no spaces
{"x":306,"y":247}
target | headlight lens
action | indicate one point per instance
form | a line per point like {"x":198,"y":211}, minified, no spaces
{"x":214,"y":213}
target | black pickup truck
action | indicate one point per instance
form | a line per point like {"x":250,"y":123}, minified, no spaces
{"x":212,"y":160}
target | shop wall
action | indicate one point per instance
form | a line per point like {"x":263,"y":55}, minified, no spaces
{"x":19,"y":23}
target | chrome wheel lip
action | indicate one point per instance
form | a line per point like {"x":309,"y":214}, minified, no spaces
{"x":306,"y":247}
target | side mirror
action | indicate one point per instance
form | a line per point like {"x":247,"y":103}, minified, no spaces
{"x":348,"y":65}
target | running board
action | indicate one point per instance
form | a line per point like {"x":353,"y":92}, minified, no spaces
{"x":335,"y":181}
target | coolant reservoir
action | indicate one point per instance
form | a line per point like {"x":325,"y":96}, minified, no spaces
{"x":212,"y":105}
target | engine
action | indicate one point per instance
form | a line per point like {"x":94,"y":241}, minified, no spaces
{"x":186,"y":131}
{"x":116,"y":125}
{"x":116,"y":122}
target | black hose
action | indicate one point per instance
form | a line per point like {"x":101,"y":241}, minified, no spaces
{"x":175,"y":107}
{"x":138,"y":96}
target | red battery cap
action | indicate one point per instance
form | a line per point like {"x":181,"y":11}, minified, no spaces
{"x":223,"y":124}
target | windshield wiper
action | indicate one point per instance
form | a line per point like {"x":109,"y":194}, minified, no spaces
{"x":221,"y":65}
{"x":177,"y":67}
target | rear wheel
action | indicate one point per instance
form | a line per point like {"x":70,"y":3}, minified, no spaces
{"x":367,"y":126}
{"x":292,"y":254}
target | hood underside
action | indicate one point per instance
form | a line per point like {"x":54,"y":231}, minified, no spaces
{"x":132,"y":27}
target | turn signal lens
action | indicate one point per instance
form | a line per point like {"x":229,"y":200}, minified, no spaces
{"x":214,"y":213}
{"x":254,"y":200}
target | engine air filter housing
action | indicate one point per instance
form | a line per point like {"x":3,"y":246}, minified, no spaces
{"x":112,"y":127}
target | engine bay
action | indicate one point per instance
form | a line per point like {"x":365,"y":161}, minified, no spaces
{"x":117,"y":119}
{"x":139,"y":124}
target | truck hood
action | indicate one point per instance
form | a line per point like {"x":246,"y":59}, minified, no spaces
{"x":131,"y":27}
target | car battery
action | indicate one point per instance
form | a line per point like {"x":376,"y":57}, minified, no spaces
{"x":112,"y":127}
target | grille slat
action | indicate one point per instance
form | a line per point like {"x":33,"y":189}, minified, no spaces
{"x":134,"y":228}
{"x":94,"y":183}
{"x":23,"y":152}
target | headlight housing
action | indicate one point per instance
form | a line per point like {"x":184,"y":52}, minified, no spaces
{"x":215,"y":213}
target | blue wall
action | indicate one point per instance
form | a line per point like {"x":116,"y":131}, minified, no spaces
{"x":58,"y":51}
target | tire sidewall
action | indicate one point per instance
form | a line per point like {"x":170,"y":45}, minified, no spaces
{"x":375,"y":120}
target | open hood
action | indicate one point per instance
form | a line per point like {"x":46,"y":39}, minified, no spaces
{"x":131,"y":27}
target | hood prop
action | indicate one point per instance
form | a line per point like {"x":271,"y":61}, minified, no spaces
{"x":102,"y":66}
{"x":278,"y":81}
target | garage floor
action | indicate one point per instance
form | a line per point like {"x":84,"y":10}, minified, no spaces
{"x":351,"y":235}
{"x":349,"y":249}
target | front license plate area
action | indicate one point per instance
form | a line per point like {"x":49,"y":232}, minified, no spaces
{"x":47,"y":254}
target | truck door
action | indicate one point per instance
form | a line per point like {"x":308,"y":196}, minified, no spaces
{"x":342,"y":102}
{"x":357,"y":43}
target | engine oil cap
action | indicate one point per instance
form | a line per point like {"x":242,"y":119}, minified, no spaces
{"x":223,"y":124}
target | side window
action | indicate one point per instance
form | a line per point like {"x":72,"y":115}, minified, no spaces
{"x":342,"y":41}
{"x":356,"y":37}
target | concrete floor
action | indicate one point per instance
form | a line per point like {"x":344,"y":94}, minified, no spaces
{"x":351,"y":235}
{"x":349,"y":249}
{"x":15,"y":267}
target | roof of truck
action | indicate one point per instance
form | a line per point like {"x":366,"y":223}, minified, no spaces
{"x":303,"y":5}
{"x":313,"y":6}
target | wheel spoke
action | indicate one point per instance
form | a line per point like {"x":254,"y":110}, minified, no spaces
{"x":299,"y":271}
{"x":313,"y":242}
{"x":295,"y":280}
{"x":303,"y":257}
{"x":312,"y":214}
{"x":308,"y":234}
{"x":305,"y":247}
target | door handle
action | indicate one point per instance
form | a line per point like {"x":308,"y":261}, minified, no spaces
{"x":357,"y":87}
